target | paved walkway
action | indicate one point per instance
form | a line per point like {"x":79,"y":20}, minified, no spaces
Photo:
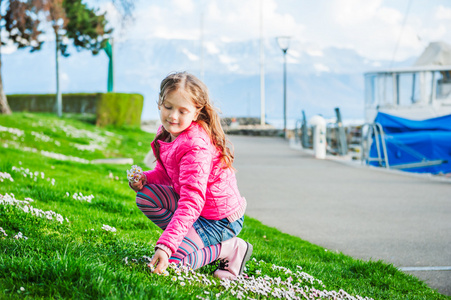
{"x":365,"y":213}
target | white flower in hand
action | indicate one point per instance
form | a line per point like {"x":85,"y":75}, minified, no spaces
{"x":134,"y":174}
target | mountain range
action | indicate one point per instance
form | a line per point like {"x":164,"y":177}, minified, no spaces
{"x":317,"y":82}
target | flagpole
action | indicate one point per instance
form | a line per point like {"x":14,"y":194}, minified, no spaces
{"x":262,"y":70}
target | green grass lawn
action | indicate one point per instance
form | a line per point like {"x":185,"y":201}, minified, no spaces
{"x":73,"y":255}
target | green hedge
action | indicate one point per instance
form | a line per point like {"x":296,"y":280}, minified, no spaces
{"x":119,"y":109}
{"x":116,"y":109}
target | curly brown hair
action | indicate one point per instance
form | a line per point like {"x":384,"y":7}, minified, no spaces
{"x":208,"y":116}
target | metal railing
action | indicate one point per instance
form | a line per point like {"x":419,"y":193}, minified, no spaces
{"x":376,"y":130}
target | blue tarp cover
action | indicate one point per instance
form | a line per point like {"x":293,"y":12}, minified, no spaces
{"x":410,"y":141}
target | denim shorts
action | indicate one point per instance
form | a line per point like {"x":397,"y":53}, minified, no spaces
{"x":213,"y":232}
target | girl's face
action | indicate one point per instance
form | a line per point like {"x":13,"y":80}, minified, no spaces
{"x":177,"y":112}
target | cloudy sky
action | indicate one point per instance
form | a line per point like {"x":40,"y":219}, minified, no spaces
{"x":376,"y":29}
{"x":379,"y":31}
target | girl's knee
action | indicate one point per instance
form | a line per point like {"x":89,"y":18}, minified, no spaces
{"x":154,"y":196}
{"x":142,"y":203}
{"x":147,"y":198}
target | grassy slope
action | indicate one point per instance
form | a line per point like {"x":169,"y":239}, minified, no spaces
{"x":70,"y":260}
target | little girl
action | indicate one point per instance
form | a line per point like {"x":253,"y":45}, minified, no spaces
{"x":192,"y":192}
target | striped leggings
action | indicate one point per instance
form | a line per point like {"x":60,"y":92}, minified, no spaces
{"x":158,"y":203}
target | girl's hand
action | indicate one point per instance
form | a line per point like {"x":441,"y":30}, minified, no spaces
{"x":160,"y":260}
{"x":137,"y":186}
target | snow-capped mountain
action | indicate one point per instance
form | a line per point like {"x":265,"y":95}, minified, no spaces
{"x":317,"y":81}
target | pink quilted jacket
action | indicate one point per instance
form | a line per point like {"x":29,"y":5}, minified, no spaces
{"x":191,"y":165}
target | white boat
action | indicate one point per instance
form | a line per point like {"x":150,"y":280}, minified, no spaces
{"x":420,"y":92}
{"x":408,"y":114}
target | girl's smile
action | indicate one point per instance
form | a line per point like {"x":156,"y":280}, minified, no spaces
{"x":177,"y":112}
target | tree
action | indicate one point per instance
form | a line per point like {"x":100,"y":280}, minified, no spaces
{"x":21,"y":28}
{"x":70,"y":20}
{"x":73,"y":20}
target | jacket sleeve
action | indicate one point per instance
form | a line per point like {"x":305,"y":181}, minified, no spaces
{"x":195,"y":166}
{"x":158,"y":175}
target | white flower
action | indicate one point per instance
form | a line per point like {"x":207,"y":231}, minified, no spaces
{"x":59,"y":218}
{"x":81,"y":197}
{"x":3,"y":231}
{"x":14,"y":131}
{"x":5,"y":176}
{"x":261,"y":286}
{"x":20,"y":236}
{"x":151,"y":267}
{"x":108,"y":228}
{"x":27,"y":208}
{"x":22,"y":289}
{"x":134,"y":174}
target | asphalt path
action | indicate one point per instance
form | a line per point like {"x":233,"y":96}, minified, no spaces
{"x":367,"y":213}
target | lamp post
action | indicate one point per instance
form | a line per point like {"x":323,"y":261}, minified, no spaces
{"x":284,"y":44}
